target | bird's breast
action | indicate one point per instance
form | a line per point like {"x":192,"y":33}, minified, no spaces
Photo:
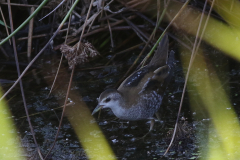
{"x":144,"y":107}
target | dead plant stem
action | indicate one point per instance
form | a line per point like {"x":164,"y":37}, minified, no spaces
{"x":20,"y":82}
{"x":186,"y":78}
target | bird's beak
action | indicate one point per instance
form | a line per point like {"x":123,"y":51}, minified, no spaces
{"x":97,"y":109}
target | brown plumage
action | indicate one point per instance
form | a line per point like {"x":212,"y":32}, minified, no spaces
{"x":140,"y":95}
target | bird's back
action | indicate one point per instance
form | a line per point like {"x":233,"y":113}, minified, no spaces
{"x":151,"y":76}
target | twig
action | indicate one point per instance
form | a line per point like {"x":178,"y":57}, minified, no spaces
{"x":55,"y":78}
{"x":84,"y":25}
{"x":30,"y":33}
{"x":6,"y":26}
{"x":205,"y":25}
{"x":75,"y":13}
{"x":110,"y":31}
{"x":65,"y":103}
{"x":35,"y":58}
{"x":20,"y":82}
{"x":186,"y":78}
{"x":33,"y":37}
{"x":149,"y":40}
{"x":66,"y":98}
{"x":25,"y":22}
{"x":126,"y":50}
{"x":135,"y":62}
{"x":154,"y":32}
{"x":159,"y":39}
{"x":25,"y":5}
{"x":90,"y":19}
{"x":53,"y":10}
{"x":162,"y":29}
{"x":139,"y":33}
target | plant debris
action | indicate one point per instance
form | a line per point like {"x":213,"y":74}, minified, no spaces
{"x":77,"y":56}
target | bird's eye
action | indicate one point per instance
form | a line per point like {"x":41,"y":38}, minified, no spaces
{"x":108,"y":99}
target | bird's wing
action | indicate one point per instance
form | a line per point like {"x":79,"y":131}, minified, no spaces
{"x":161,"y":77}
{"x":150,"y":77}
{"x":156,"y":81}
{"x":135,"y":78}
{"x":133,"y":84}
{"x":139,"y":77}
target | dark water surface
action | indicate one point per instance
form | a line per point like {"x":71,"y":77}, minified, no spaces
{"x":121,"y":135}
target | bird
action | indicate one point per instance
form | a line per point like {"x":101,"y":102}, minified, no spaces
{"x":140,"y":95}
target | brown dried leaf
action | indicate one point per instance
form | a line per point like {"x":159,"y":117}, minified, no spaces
{"x":84,"y":54}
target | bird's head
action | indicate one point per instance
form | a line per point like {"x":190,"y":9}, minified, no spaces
{"x":110,"y":98}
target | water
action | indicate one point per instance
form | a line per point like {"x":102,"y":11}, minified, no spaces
{"x":122,"y":136}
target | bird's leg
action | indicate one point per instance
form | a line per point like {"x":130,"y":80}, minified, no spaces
{"x":158,"y":117}
{"x":151,"y":128}
{"x":151,"y":125}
